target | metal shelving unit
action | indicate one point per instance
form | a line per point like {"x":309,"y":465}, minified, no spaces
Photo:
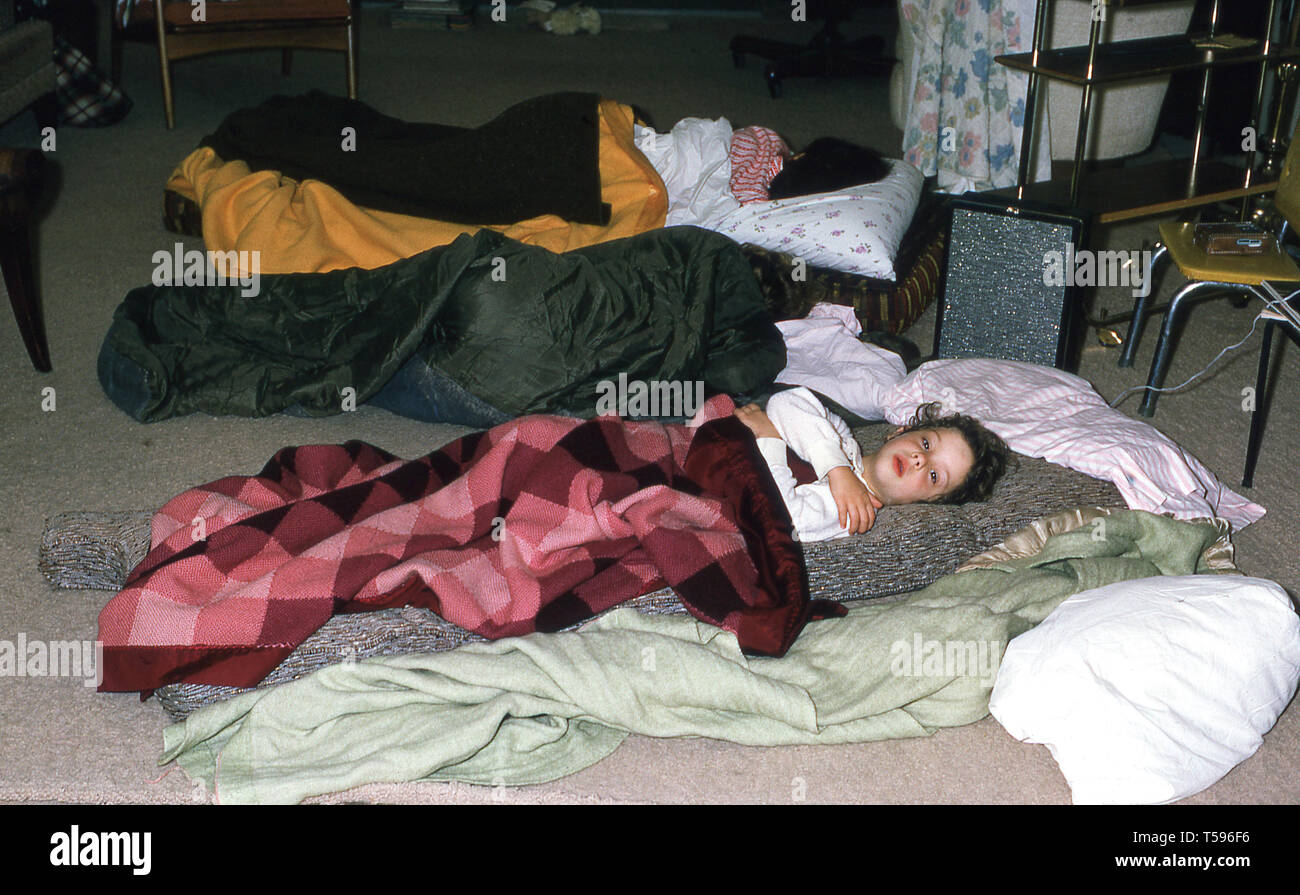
{"x":1141,"y":191}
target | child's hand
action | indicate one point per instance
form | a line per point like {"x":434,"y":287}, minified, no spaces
{"x":856,"y":504}
{"x":757,"y":421}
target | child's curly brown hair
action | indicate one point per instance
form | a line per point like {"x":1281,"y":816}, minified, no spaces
{"x":990,"y":451}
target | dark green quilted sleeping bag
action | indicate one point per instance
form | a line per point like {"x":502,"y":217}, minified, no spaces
{"x":518,"y":328}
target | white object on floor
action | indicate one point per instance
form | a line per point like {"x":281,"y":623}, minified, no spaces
{"x":694,"y":160}
{"x":1150,"y":691}
{"x":855,"y":230}
{"x":575,"y":18}
{"x":823,"y":353}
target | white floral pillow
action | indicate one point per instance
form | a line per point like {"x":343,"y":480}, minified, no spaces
{"x":856,"y":230}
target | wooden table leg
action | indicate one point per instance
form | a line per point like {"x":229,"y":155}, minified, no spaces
{"x":16,"y":261}
{"x":20,"y":172}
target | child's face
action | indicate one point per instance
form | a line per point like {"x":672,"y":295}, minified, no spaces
{"x":920,"y":466}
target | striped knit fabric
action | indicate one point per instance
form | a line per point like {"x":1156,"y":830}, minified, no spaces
{"x":757,"y":155}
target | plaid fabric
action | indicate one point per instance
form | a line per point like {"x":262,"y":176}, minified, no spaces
{"x":87,"y":98}
{"x":530,"y":526}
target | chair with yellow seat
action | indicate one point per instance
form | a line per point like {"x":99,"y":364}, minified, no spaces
{"x":1210,"y":275}
{"x":249,"y":24}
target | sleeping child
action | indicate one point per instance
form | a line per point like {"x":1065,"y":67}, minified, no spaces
{"x":709,"y":170}
{"x":934,"y":459}
{"x":764,"y":168}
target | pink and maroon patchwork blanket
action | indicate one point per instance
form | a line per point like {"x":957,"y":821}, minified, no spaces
{"x":534,"y":525}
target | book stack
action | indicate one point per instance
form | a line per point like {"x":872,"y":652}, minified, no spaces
{"x":455,"y":15}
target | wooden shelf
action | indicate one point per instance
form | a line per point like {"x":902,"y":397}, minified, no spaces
{"x":1138,"y":191}
{"x":1128,"y":60}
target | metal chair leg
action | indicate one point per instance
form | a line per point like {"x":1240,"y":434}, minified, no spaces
{"x":352,"y":60}
{"x":1141,"y":309}
{"x":1257,"y":415}
{"x":1168,"y":332}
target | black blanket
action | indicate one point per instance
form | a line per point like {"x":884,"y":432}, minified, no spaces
{"x":540,"y":156}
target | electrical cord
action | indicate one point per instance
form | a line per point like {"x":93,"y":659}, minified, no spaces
{"x":1277,"y":304}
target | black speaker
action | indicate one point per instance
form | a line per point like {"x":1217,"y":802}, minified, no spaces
{"x":1008,"y":286}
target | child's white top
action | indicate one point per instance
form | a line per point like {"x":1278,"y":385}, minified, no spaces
{"x":824,"y":441}
{"x":823,"y":352}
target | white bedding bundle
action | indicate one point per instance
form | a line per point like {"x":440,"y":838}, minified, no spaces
{"x":856,"y":230}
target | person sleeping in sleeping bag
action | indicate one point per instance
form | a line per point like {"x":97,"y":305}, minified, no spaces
{"x":936,"y":458}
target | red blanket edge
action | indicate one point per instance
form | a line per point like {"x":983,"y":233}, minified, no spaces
{"x":724,"y":460}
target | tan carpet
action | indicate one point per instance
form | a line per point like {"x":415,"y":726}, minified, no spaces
{"x":62,"y":742}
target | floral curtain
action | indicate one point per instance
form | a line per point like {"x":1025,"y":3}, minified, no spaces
{"x":966,"y":116}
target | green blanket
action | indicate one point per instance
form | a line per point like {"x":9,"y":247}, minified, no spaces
{"x":536,"y":708}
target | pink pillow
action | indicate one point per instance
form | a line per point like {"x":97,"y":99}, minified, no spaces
{"x":1044,"y":412}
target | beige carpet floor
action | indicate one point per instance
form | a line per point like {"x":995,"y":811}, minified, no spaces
{"x":62,"y":742}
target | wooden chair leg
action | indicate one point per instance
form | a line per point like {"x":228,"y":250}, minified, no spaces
{"x":109,"y":42}
{"x":165,"y":69}
{"x":352,"y":61}
{"x":23,"y":174}
{"x":115,"y":56}
{"x":16,"y":261}
{"x":46,"y":110}
{"x":168,"y":109}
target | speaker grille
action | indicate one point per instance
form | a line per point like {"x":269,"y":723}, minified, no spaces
{"x":995,"y":301}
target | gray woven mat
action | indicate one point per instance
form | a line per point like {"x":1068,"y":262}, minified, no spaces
{"x":907,"y":549}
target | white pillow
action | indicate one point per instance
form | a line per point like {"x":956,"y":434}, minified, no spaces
{"x":1044,"y":412}
{"x":1149,"y":691}
{"x":856,"y":230}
